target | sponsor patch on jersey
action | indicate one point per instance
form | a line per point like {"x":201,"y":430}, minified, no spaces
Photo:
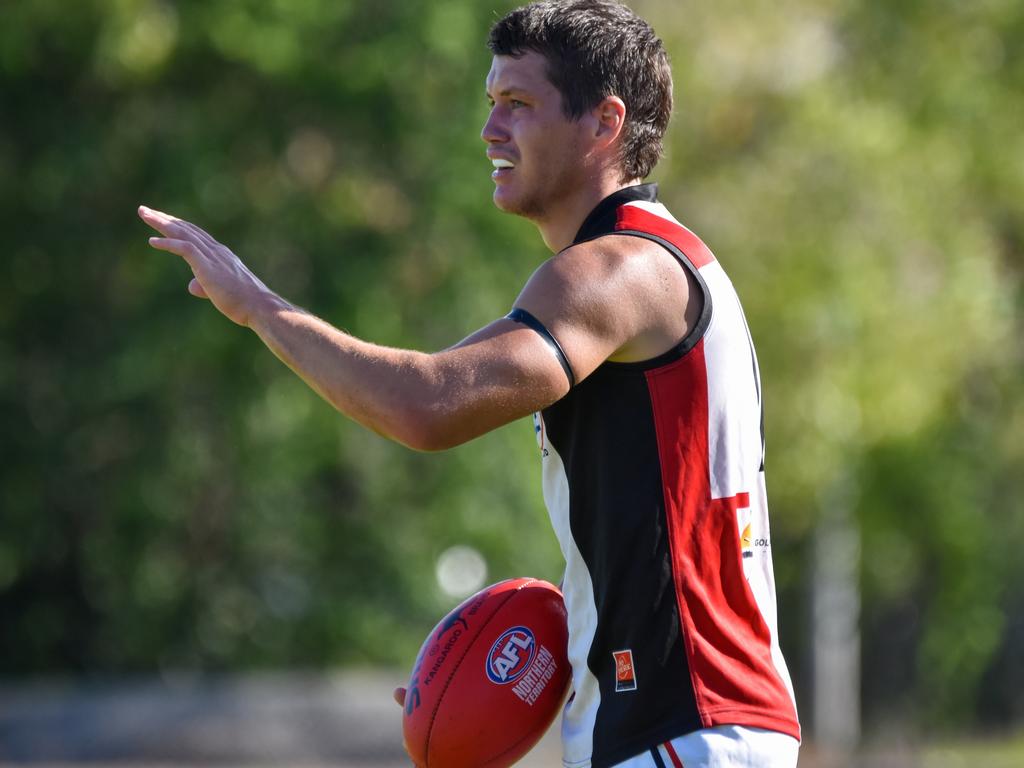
{"x":625,"y":672}
{"x":747,"y":542}
{"x":511,"y":655}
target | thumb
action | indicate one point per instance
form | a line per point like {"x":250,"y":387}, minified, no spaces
{"x":196,"y":289}
{"x":399,"y":696}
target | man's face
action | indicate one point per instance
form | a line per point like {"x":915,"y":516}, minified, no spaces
{"x":539,"y":154}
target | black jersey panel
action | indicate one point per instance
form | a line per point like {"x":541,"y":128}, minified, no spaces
{"x":603,"y":430}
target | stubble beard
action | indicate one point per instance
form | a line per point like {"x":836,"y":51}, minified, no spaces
{"x":537,"y":203}
{"x":531,"y":207}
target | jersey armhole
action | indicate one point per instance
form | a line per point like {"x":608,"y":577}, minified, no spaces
{"x":695,"y":334}
{"x":522,"y":316}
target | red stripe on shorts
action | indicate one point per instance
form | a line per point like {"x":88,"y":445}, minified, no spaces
{"x":672,"y":755}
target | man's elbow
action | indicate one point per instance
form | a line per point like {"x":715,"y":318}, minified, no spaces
{"x":422,"y":429}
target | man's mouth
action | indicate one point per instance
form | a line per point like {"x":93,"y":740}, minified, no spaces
{"x":502,"y":167}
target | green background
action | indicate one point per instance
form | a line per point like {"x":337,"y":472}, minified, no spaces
{"x":172,"y":497}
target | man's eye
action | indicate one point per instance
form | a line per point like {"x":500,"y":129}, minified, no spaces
{"x":515,"y":103}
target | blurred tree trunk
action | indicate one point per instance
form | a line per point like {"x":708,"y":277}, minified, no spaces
{"x":835,"y":626}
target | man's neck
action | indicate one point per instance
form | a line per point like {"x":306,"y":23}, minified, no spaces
{"x":559,"y":229}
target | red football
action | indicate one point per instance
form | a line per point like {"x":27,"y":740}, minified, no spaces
{"x":489,"y":679}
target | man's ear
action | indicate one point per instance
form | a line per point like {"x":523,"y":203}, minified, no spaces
{"x":610,"y":119}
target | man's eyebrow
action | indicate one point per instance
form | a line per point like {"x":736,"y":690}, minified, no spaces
{"x":510,"y":91}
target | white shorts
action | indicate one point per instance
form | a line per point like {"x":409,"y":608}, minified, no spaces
{"x":725,"y":746}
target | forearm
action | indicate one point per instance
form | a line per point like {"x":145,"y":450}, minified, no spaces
{"x":394,"y":392}
{"x":425,"y":401}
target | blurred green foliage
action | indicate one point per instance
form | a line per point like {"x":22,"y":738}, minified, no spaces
{"x":172,"y":497}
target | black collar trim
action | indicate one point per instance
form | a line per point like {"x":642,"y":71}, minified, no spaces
{"x":601,"y":220}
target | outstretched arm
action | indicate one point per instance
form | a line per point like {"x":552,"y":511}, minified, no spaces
{"x":426,"y":401}
{"x":500,"y":373}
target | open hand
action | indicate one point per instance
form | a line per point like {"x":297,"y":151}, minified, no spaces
{"x":219,"y":275}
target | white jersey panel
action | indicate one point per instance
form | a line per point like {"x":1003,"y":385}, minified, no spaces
{"x":734,"y":407}
{"x":578,"y":591}
{"x":760,"y":573}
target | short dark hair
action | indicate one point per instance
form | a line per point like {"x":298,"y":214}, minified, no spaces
{"x":595,"y":49}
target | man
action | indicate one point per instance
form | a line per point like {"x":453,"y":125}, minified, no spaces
{"x":630,"y":346}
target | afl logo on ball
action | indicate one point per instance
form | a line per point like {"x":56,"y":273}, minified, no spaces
{"x":510,"y":656}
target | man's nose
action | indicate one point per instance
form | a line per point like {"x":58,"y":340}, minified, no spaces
{"x":494,"y":131}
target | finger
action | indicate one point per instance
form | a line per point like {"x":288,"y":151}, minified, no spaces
{"x":153,"y":214}
{"x":172,"y":226}
{"x":184,"y":248}
{"x":399,"y":696}
{"x":198,"y":232}
{"x":196,"y":289}
{"x":158,"y":220}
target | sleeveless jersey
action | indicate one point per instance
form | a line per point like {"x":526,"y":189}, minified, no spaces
{"x":654,"y":479}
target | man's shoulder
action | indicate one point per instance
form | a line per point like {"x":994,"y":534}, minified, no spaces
{"x":612,"y":270}
{"x":606,"y":254}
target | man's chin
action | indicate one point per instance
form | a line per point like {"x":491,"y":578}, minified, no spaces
{"x":508,"y":203}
